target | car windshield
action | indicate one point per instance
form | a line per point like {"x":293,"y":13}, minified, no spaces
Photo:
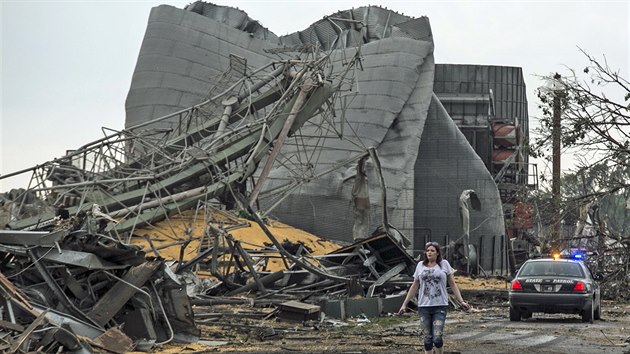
{"x":553,"y":268}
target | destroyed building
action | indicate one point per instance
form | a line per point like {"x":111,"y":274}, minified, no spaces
{"x":441,"y":132}
{"x":347,"y":129}
{"x":403,"y":104}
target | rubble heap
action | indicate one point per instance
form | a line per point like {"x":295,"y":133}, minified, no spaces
{"x":72,"y":289}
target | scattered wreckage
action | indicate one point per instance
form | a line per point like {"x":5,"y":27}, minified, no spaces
{"x":78,"y":275}
{"x":73,"y":276}
{"x":80,"y":290}
{"x":77,"y":290}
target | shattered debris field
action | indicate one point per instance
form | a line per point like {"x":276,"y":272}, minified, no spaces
{"x":70,"y":289}
{"x":215,"y":281}
{"x":238,"y":329}
{"x":245,"y":208}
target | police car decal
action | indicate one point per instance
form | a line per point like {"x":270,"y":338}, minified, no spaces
{"x":556,"y":281}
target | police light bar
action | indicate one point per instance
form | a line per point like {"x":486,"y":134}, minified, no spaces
{"x":575,"y":255}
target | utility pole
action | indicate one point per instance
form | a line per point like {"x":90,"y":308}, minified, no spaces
{"x":555,"y":184}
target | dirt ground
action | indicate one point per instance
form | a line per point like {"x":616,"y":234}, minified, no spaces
{"x":485,"y":329}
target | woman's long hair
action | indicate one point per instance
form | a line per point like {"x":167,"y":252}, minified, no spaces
{"x":438,"y":260}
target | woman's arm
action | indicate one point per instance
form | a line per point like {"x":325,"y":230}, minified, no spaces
{"x":413,"y":289}
{"x":458,"y":294}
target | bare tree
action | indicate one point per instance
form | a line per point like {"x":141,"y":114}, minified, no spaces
{"x":595,"y":105}
{"x":595,"y":123}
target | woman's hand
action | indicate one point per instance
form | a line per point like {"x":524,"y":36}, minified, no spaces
{"x":466,"y":306}
{"x":402,"y":310}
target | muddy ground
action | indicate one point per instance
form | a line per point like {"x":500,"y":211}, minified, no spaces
{"x":486,"y":329}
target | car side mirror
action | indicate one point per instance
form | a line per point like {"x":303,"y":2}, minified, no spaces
{"x":598,"y":276}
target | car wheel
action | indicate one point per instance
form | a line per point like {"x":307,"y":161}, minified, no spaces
{"x":598,"y":312}
{"x":515,"y":315}
{"x":587,"y":314}
{"x":526,"y":315}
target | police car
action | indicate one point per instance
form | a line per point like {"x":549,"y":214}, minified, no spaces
{"x":554,"y":285}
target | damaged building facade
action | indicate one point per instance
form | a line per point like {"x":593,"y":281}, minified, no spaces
{"x":402,"y":103}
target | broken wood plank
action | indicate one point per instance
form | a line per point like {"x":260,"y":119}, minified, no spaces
{"x":18,"y":342}
{"x":11,"y":292}
{"x":385,"y":277}
{"x":114,"y":340}
{"x":11,"y":326}
{"x":109,"y":305}
{"x":300,"y":307}
{"x":298,"y":311}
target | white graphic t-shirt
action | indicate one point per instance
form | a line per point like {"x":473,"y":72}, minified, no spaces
{"x":432,"y":291}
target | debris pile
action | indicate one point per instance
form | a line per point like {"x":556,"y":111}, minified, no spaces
{"x":372,"y":267}
{"x":68,"y":289}
{"x":613,"y":261}
{"x":71,"y":290}
{"x":74,"y":277}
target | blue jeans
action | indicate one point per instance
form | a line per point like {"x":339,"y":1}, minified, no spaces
{"x":432,"y":320}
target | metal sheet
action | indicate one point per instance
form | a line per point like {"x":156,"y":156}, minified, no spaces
{"x":76,"y":258}
{"x":77,"y":327}
{"x":31,"y":238}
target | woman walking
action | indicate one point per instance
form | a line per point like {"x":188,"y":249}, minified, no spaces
{"x":429,"y":282}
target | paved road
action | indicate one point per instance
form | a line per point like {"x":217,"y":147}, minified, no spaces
{"x":541,"y":334}
{"x":486,"y":329}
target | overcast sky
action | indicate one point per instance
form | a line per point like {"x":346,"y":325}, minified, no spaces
{"x":67,"y":65}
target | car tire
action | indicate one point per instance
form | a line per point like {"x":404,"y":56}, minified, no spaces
{"x":526,"y":315}
{"x":515,"y":315}
{"x":598,"y":312}
{"x":587,"y":314}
